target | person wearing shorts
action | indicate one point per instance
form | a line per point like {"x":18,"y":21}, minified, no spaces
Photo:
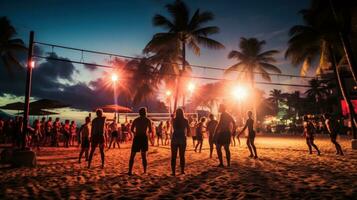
{"x":251,"y":135}
{"x":97,"y":136}
{"x":140,"y":128}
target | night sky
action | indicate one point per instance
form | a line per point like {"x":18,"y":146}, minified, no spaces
{"x":125,"y":27}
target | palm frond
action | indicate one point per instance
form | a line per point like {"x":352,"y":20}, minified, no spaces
{"x":270,"y":67}
{"x":233,"y":68}
{"x":209,"y":43}
{"x":162,"y":21}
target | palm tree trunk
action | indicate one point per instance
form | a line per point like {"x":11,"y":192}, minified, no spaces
{"x":342,"y":87}
{"x":346,"y":46}
{"x":180,"y":74}
{"x":254,"y":105}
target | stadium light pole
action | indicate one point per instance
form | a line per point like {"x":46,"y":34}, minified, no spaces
{"x":30,"y":65}
{"x":115,"y":80}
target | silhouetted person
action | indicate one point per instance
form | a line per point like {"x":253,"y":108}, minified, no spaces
{"x":97,"y":136}
{"x":309,"y":130}
{"x":333,"y":128}
{"x":193,"y":126}
{"x":56,"y":128}
{"x":140,"y":128}
{"x":48,"y":131}
{"x":181,"y":129}
{"x":36,"y":134}
{"x":113,"y":127}
{"x":73,"y":131}
{"x":66,"y":133}
{"x":159,"y":133}
{"x":167,"y":130}
{"x":84,"y":134}
{"x":199,"y":133}
{"x":251,"y":135}
{"x":223,"y":134}
{"x":211,"y":128}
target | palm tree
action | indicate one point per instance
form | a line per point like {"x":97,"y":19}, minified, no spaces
{"x":319,"y":40}
{"x":183,"y":29}
{"x":9,"y":45}
{"x":144,"y":80}
{"x":251,"y":60}
{"x":275,"y":97}
{"x":317,"y":91}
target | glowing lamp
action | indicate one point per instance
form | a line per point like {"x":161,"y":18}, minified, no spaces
{"x":240,"y":93}
{"x":168,"y":93}
{"x":114,"y":77}
{"x":32,"y":64}
{"x":191,"y":87}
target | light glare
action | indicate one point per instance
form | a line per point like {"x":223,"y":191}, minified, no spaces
{"x":114,"y":77}
{"x":240,"y":93}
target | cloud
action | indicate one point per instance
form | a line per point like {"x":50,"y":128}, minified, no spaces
{"x":91,"y":67}
{"x":54,"y":80}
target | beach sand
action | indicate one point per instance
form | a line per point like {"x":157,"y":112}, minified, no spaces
{"x":284,"y":170}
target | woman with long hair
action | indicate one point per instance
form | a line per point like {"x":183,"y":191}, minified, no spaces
{"x":178,"y":141}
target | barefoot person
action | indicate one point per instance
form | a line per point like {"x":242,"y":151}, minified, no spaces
{"x":309,"y":130}
{"x":333,"y":129}
{"x":251,"y":135}
{"x":211,"y":127}
{"x":97,"y":136}
{"x":114,"y":134}
{"x":223,"y":134}
{"x":140,"y":128}
{"x":181,"y":129}
{"x":199,"y":134}
{"x":84,"y":133}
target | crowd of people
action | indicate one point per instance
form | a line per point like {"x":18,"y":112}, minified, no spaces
{"x":104,"y":133}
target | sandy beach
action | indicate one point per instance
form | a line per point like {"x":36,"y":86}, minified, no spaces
{"x":284,"y":170}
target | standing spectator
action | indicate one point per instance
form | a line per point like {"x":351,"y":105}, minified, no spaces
{"x":159,"y":133}
{"x":114,"y":134}
{"x":167,"y":132}
{"x":211,"y":128}
{"x":97,"y":136}
{"x":140,"y":127}
{"x":84,"y":133}
{"x":56,"y":128}
{"x":36,"y":134}
{"x":48,"y":131}
{"x":181,"y":129}
{"x":201,"y":128}
{"x":66,"y":130}
{"x":73,"y":133}
{"x":223,"y":134}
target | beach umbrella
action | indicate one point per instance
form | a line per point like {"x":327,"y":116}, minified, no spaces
{"x":13,"y":106}
{"x":39,"y":112}
{"x":4,"y":115}
{"x":47,"y":104}
{"x":116,"y":108}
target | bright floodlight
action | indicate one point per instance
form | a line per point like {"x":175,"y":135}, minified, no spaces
{"x":114,"y":77}
{"x":32,"y":64}
{"x":191,"y":87}
{"x":168,"y":93}
{"x":240,"y":93}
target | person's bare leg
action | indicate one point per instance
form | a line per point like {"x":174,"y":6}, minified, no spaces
{"x":219,"y":154}
{"x":131,"y":162}
{"x":182,"y":149}
{"x":249,"y":147}
{"x":80,"y":155}
{"x":210,"y":149}
{"x":86,"y":154}
{"x":314,"y":145}
{"x":309,"y":145}
{"x":173,"y":159}
{"x":144,"y":161}
{"x":101,"y":148}
{"x":201,"y":143}
{"x":228,"y":154}
{"x":253,"y":147}
{"x":91,"y":155}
